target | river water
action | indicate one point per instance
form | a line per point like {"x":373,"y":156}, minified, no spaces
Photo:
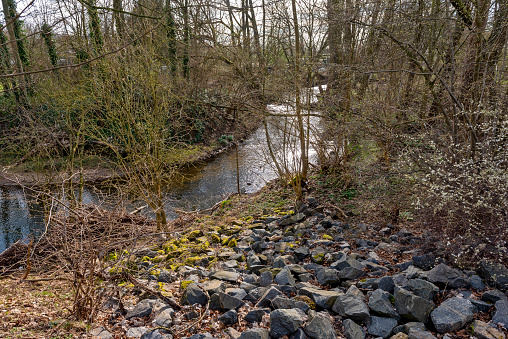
{"x":204,"y":185}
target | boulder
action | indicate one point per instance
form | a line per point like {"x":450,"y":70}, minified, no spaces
{"x":142,"y":309}
{"x":327,"y":276}
{"x":447,"y":276}
{"x":256,"y":315}
{"x":265,"y":279}
{"x":226,"y":276}
{"x":100,"y":332}
{"x":352,"y":330}
{"x":322,"y":298}
{"x":483,"y":330}
{"x":496,"y":274}
{"x":267,"y":297}
{"x":228,"y":302}
{"x":284,"y":322}
{"x":425,"y":262}
{"x":379,"y":303}
{"x":319,"y":326}
{"x":136,"y":332}
{"x":284,"y":277}
{"x":411,"y":306}
{"x":350,"y":306}
{"x":416,"y":333}
{"x":255,"y":333}
{"x":423,"y":289}
{"x":229,"y":318}
{"x":380,"y":326}
{"x":452,"y":314}
{"x":501,"y":315}
{"x":193,"y":294}
{"x":165,"y":318}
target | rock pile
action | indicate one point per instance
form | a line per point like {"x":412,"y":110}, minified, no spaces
{"x":307,"y":275}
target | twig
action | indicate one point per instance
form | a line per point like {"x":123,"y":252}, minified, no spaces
{"x":137,"y":284}
{"x":199,"y":319}
{"x":137,"y":210}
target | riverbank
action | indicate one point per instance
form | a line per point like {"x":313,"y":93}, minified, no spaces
{"x":257,"y":267}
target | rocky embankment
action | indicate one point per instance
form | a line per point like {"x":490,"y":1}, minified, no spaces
{"x":306,"y":275}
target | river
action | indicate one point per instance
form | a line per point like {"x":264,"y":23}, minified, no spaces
{"x":204,"y":185}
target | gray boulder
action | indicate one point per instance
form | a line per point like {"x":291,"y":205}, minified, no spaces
{"x":482,"y":330}
{"x":298,"y":334}
{"x":319,"y":326}
{"x":228,"y":302}
{"x":501,"y":315}
{"x":445,"y":275}
{"x":411,"y":306}
{"x":327,"y":276}
{"x":267,"y":297}
{"x":380,"y":304}
{"x":255,"y":333}
{"x":380,"y":326}
{"x":284,"y":322}
{"x":495,"y":274}
{"x":416,"y":333}
{"x":423,"y":288}
{"x":350,"y":306}
{"x":452,"y":314}
{"x":164,"y":319}
{"x":425,"y":262}
{"x":492,"y":296}
{"x":385,"y":283}
{"x":193,"y":294}
{"x":322,"y":298}
{"x":142,"y":309}
{"x":284,"y":277}
{"x":265,"y":279}
{"x":226,"y":276}
{"x":229,"y":318}
{"x":352,"y":330}
{"x":156,"y":334}
{"x":215,"y":286}
{"x":101,"y":332}
{"x":136,"y":332}
{"x":256,"y":315}
{"x":201,"y":336}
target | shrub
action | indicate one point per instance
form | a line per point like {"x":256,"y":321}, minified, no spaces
{"x":464,"y":192}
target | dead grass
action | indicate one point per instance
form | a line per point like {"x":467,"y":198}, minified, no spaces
{"x":36,"y":310}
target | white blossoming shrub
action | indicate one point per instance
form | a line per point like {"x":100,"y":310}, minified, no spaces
{"x":463,"y":193}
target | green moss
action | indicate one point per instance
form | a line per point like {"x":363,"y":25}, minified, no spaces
{"x":115,"y":270}
{"x":155,"y":272}
{"x":169,"y":247}
{"x":215,"y":239}
{"x":233,"y":230}
{"x":318,"y":258}
{"x":160,"y":252}
{"x":225,"y":241}
{"x":306,"y":300}
{"x":185,"y":283}
{"x":159,"y":258}
{"x":194,"y":235}
{"x":193,"y":260}
{"x":145,"y":258}
{"x":327,"y":237}
{"x":212,"y":262}
{"x":232,"y":243}
{"x":112,"y":256}
{"x":392,"y":299}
